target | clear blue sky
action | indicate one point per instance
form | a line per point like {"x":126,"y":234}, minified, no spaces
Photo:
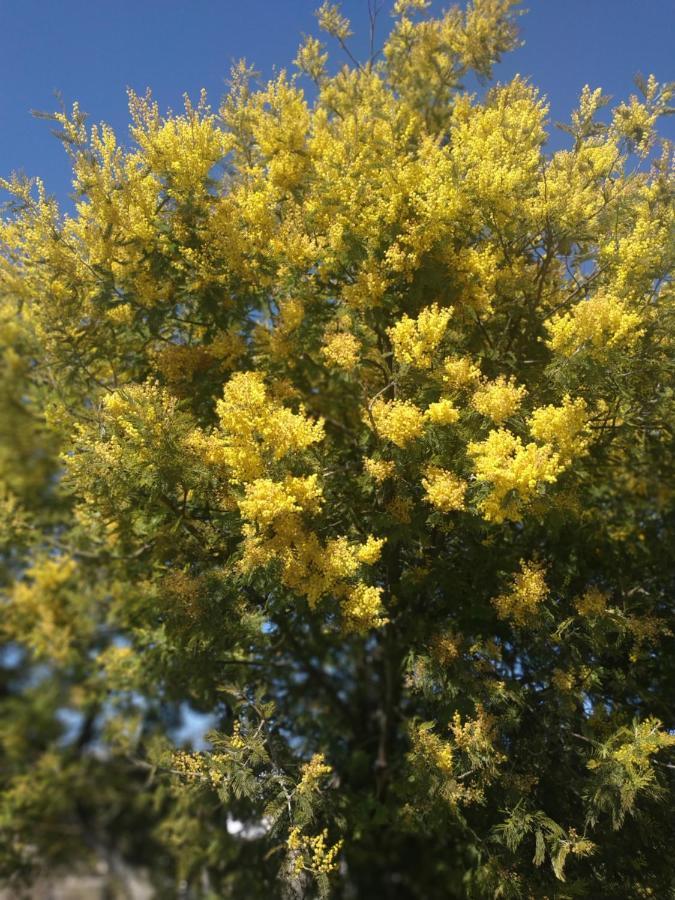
{"x":91,"y":50}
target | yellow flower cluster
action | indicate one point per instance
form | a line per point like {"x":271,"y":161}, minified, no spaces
{"x":190,"y":765}
{"x":514,"y":471}
{"x":332,"y":21}
{"x":459,"y":372}
{"x":312,"y":774}
{"x":497,"y":146}
{"x":265,"y":501}
{"x":368,"y":288}
{"x":256,"y":431}
{"x":562,"y":426}
{"x":442,"y":412}
{"x":274,"y":338}
{"x":199,"y":766}
{"x":341,"y":350}
{"x":236,"y":741}
{"x":596,"y":324}
{"x":122,"y":314}
{"x":362,"y":608}
{"x":443,"y":489}
{"x":182,"y":148}
{"x":592,"y":603}
{"x":433,"y":749}
{"x":475,"y":736}
{"x":416,"y":340}
{"x":528,"y":591}
{"x":647,"y":739}
{"x":472,"y":745}
{"x":399,"y":421}
{"x":475,"y":269}
{"x":370,"y":552}
{"x":379,"y":469}
{"x":311,"y":58}
{"x":312,"y":854}
{"x":253,"y":428}
{"x":498,"y":399}
{"x":45,"y":612}
{"x":635,"y":122}
{"x":312,"y":569}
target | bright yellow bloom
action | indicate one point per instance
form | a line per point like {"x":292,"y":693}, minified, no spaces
{"x":416,"y":340}
{"x":459,"y":372}
{"x":442,"y":412}
{"x":498,"y":399}
{"x":399,"y":421}
{"x":253,"y":428}
{"x":362,"y":608}
{"x":312,"y":773}
{"x":265,"y":500}
{"x":443,"y":489}
{"x":597,"y":324}
{"x":562,"y":426}
{"x":182,"y":148}
{"x":379,"y":469}
{"x":370,"y":552}
{"x":341,"y":350}
{"x":312,"y":854}
{"x":435,"y":751}
{"x":311,"y":59}
{"x":527,"y":593}
{"x":514,"y":471}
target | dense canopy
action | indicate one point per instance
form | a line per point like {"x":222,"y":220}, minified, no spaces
{"x":344,"y":416}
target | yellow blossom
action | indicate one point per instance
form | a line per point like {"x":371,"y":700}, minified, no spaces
{"x":311,"y":59}
{"x":341,"y":350}
{"x":528,"y":591}
{"x":592,"y":603}
{"x":254,"y":426}
{"x":514,"y":471}
{"x":437,"y":752}
{"x":442,"y":412}
{"x":416,"y":340}
{"x":265,"y":500}
{"x":399,"y":421}
{"x":379,"y":469}
{"x":443,"y":489}
{"x":312,"y":854}
{"x":370,"y":552}
{"x":498,"y":399}
{"x":236,"y":741}
{"x":182,"y":148}
{"x":123,"y":314}
{"x":562,"y":427}
{"x":362,"y":608}
{"x":312,"y":773}
{"x":602,"y":322}
{"x":459,"y":372}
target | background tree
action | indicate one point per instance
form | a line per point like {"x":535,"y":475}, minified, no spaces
{"x":349,"y":423}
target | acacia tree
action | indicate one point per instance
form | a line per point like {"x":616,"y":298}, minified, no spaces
{"x":347,"y":422}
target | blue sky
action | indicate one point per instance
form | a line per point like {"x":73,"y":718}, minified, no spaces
{"x":92,"y":51}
